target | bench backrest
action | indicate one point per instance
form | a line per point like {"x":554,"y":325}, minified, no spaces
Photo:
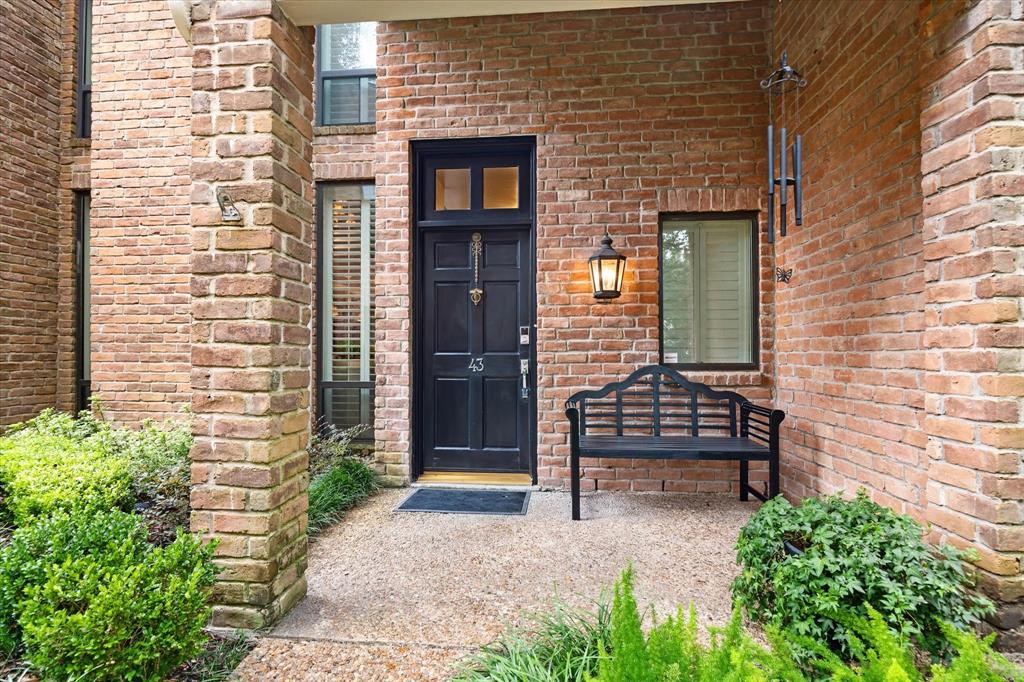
{"x":657,"y":401}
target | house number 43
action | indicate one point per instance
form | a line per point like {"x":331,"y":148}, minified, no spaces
{"x":477,"y":364}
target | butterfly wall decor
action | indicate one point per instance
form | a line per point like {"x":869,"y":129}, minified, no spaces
{"x":783,"y":274}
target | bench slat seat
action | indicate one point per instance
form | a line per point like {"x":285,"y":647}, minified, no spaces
{"x":673,"y":447}
{"x":656,"y":413}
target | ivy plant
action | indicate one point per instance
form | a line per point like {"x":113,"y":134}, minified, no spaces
{"x":846,"y":554}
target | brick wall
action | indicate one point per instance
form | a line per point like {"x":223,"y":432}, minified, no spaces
{"x":141,"y":150}
{"x":972,"y":92}
{"x":635,"y":112}
{"x":30,"y":61}
{"x":344,"y":153}
{"x":849,"y":348}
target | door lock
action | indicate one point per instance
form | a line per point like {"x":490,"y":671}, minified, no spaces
{"x":524,"y":372}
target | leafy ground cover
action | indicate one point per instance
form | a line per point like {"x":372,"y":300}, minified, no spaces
{"x":850,"y":554}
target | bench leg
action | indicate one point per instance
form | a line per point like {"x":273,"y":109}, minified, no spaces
{"x":773,"y":477}
{"x":574,"y":485}
{"x":744,"y":480}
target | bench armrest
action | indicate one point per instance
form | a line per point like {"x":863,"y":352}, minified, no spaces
{"x":761,"y":424}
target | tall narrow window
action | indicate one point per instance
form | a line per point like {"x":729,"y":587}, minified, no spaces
{"x":345,"y":288}
{"x":82,"y":316}
{"x":346,"y":73}
{"x":709,"y":292}
{"x":83,"y":123}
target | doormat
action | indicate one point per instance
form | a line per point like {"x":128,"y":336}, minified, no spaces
{"x":462,"y":501}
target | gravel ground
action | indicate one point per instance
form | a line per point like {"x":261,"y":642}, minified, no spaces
{"x":401,"y":596}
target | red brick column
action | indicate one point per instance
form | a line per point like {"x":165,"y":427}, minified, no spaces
{"x":251,"y":287}
{"x":973,"y":186}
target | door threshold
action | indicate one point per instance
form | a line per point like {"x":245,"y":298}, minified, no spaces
{"x":473,"y":478}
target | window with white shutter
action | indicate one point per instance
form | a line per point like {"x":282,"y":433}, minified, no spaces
{"x":708,"y":292}
{"x":345,"y":290}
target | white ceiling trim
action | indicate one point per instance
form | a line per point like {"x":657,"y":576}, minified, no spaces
{"x":312,"y":12}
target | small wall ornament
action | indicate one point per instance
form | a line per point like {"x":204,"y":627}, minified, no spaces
{"x":228,"y":212}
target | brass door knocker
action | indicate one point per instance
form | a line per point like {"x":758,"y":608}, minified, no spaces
{"x":476,"y":247}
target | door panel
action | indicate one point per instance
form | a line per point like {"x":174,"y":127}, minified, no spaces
{"x":475,"y":415}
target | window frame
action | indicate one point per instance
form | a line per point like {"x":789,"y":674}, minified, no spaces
{"x":323,"y":385}
{"x":83,"y":89}
{"x":755,"y":291}
{"x":362,"y":75}
{"x":83,"y":383}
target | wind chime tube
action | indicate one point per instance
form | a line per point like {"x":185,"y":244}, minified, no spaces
{"x":771,"y":184}
{"x":783,"y":183}
{"x":797,"y":193}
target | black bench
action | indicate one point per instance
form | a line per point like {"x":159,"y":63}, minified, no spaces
{"x":656,"y":413}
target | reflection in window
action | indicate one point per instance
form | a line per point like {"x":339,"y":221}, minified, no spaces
{"x":83,"y":123}
{"x":346,"y":71}
{"x":501,"y":187}
{"x":707,"y":291}
{"x":451,"y":189}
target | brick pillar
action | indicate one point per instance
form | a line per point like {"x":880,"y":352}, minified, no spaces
{"x":973,"y":186}
{"x":251,"y":286}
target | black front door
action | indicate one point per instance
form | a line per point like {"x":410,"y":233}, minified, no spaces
{"x":476,"y":344}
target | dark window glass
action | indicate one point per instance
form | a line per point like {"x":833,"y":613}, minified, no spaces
{"x":346,"y":73}
{"x":345,"y":295}
{"x":83,"y":124}
{"x":82,"y":314}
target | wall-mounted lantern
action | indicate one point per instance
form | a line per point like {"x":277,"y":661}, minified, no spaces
{"x":607,"y":266}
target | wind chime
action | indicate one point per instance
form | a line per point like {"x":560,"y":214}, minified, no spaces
{"x":779,"y":83}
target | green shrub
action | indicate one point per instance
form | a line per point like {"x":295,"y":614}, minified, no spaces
{"x":856,"y":553}
{"x":97,"y":618}
{"x":347,"y":482}
{"x":329,"y":445}
{"x":42,"y":473}
{"x":154,"y":456}
{"x":158,"y":464}
{"x":560,"y":644}
{"x":113,"y":538}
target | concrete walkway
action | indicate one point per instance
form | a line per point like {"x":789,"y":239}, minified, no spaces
{"x":400,"y":596}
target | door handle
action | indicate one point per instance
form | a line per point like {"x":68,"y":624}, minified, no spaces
{"x":524,"y":373}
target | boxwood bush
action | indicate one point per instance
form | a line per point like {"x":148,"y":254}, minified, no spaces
{"x":853,"y":553}
{"x":83,"y":592}
{"x":150,"y":464}
{"x":91,"y":599}
{"x":41,"y":473}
